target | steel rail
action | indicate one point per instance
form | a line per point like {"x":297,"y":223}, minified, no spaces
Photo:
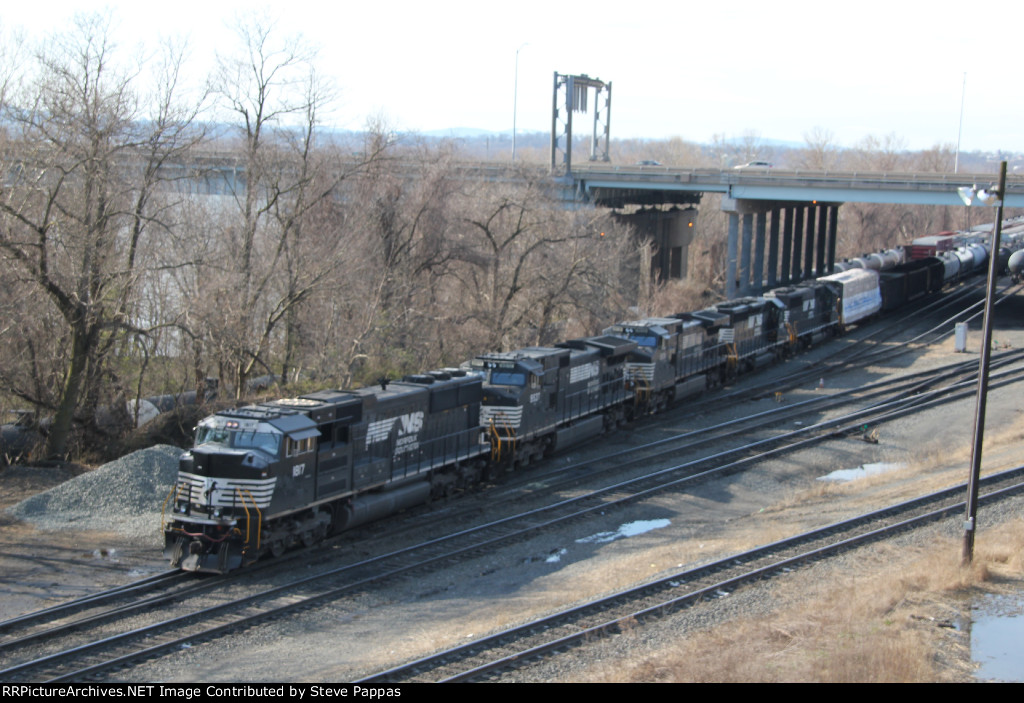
{"x":678,"y":580}
{"x":292,"y":601}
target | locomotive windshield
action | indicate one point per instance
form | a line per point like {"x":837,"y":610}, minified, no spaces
{"x":644,"y":340}
{"x":239,"y":439}
{"x":507,"y":378}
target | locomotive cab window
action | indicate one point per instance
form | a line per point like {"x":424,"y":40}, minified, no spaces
{"x":298,"y":446}
{"x":239,"y":439}
{"x":507,"y":378}
{"x":645,"y":340}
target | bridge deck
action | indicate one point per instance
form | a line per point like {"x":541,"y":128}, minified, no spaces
{"x":605,"y":184}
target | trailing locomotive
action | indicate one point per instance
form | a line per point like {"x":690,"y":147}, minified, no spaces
{"x":265,"y":477}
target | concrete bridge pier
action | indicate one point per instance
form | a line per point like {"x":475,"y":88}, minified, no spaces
{"x":806,"y":233}
{"x":670,"y":232}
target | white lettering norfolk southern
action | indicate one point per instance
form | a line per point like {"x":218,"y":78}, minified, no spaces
{"x":409,"y":426}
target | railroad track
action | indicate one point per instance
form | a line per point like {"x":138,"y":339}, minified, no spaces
{"x":63,"y":661}
{"x":518,"y":647}
{"x":31,"y":622}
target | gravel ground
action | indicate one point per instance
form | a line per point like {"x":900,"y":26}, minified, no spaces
{"x":125,"y":495}
{"x":413,"y":617}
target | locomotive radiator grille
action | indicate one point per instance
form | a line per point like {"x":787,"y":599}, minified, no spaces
{"x":225,"y":492}
{"x":501,"y":415}
{"x":636,"y":371}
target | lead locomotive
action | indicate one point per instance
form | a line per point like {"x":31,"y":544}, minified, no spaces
{"x":264,"y":477}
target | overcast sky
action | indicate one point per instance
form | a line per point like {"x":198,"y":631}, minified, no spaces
{"x":778,"y":69}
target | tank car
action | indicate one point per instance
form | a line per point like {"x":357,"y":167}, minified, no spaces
{"x":951,"y":266}
{"x":1016,"y":265}
{"x":262,"y":478}
{"x":973,"y":258}
{"x":1003,"y":265}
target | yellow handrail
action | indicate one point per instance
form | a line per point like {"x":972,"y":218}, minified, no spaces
{"x":163,"y":508}
{"x":510,"y":434}
{"x":248,"y":519}
{"x":791,"y":328}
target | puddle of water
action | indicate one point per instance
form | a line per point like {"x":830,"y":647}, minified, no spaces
{"x":630,"y":529}
{"x":859,"y":472}
{"x":997,"y":631}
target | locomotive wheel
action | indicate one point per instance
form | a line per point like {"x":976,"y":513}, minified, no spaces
{"x":277,"y":548}
{"x":308,"y":538}
{"x":178,"y":552}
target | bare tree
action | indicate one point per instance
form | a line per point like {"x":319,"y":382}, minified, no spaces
{"x":821,"y":153}
{"x":869,"y":226}
{"x":887,"y":154}
{"x":940,"y":158}
{"x":270,"y":260}
{"x":269,"y":87}
{"x":87,"y":151}
{"x":526,"y":262}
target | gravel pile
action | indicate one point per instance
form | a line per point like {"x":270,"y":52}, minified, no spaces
{"x":123,"y":496}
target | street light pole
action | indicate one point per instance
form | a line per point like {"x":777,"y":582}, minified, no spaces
{"x":970,"y":520}
{"x":515,"y":102}
{"x":960,"y":129}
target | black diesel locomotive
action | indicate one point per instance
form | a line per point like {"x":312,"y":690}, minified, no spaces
{"x":265,"y":477}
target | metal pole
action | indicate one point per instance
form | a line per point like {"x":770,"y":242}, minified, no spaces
{"x":970,"y":520}
{"x":960,"y":129}
{"x":515,"y":103}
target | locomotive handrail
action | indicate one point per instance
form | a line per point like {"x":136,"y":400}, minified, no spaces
{"x":642,"y":387}
{"x":732,"y":355}
{"x":497,"y":440}
{"x":248,"y":518}
{"x":163,"y":508}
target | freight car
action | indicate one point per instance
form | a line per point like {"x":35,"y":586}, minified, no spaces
{"x":265,"y":477}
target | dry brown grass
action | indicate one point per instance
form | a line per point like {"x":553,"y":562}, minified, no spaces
{"x":887,"y":619}
{"x":932,"y":470}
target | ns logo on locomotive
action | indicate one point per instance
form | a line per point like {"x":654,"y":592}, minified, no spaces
{"x":265,"y":477}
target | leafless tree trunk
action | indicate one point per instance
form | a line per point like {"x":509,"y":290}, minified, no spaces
{"x":88,"y":157}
